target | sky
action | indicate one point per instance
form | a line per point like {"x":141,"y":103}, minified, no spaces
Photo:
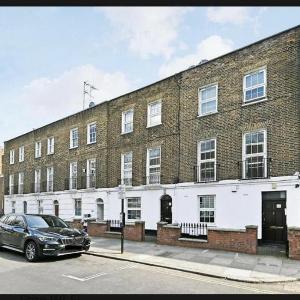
{"x":46,"y":53}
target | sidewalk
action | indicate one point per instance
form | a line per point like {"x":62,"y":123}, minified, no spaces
{"x":215,"y":263}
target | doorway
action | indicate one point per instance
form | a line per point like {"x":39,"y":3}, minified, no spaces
{"x":166,"y":209}
{"x":100,"y":209}
{"x":274,"y":229}
{"x":56,"y":208}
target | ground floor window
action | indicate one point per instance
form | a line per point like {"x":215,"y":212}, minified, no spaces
{"x":134,"y":208}
{"x":40,"y":206}
{"x":77,"y":207}
{"x":207,"y":209}
{"x":13,"y":207}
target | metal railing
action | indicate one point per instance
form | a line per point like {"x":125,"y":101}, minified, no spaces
{"x":71,"y":183}
{"x":126,"y":181}
{"x":255,"y":167}
{"x":47,"y":186}
{"x":206,"y":172}
{"x":194,"y":230}
{"x":115,"y":225}
{"x":153,"y":178}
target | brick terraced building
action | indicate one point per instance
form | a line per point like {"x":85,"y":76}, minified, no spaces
{"x":218,"y":143}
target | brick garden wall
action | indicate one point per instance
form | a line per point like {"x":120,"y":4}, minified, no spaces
{"x":294,"y":242}
{"x":244,"y":241}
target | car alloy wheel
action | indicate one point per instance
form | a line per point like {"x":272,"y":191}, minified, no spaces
{"x":31,"y":251}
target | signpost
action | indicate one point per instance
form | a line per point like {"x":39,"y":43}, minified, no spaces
{"x":122,"y":214}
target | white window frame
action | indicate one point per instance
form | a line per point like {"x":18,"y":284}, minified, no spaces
{"x":21,"y":153}
{"x":76,"y":200}
{"x":206,"y":160}
{"x":200,"y":101}
{"x":50,"y":145}
{"x":88,"y":133}
{"x":125,"y":179}
{"x":11,"y":184}
{"x":40,"y":206}
{"x":72,"y":144}
{"x":264,"y":153}
{"x":71,"y":181}
{"x":255,"y":86}
{"x":38,"y":149}
{"x":37,"y":180}
{"x":149,"y":116}
{"x":208,"y":209}
{"x":21,"y":183}
{"x":88,"y":171}
{"x":124,"y":121}
{"x":11,"y":156}
{"x":50,"y":179}
{"x":155,"y":166}
{"x":134,"y":208}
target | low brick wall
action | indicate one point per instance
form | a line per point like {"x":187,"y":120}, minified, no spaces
{"x":75,"y":224}
{"x":98,"y":228}
{"x":241,"y":240}
{"x":294,"y":242}
{"x":133,"y":231}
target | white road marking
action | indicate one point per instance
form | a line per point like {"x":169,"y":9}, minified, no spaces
{"x":83,"y":279}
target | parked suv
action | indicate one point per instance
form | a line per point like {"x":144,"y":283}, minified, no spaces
{"x":41,"y":235}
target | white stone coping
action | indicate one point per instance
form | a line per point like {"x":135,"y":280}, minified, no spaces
{"x":227,"y":229}
{"x":113,"y":232}
{"x":193,"y":240}
{"x":99,"y":222}
{"x":294,"y":228}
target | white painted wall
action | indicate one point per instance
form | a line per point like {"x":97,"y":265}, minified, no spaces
{"x":233,"y":209}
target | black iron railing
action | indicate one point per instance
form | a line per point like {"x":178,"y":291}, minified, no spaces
{"x":115,"y":225}
{"x":71,"y":183}
{"x":255,"y":167}
{"x":206,"y":172}
{"x":47,"y":186}
{"x":153,"y":178}
{"x":194,"y":230}
{"x":36,"y":187}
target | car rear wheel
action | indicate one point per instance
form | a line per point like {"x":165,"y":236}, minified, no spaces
{"x":31,"y":251}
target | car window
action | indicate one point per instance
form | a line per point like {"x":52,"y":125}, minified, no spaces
{"x":10,"y":220}
{"x":19,"y":221}
{"x":2,"y":219}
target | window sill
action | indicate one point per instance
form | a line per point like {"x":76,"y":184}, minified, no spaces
{"x":208,"y":114}
{"x":254,"y":101}
{"x":123,"y":133}
{"x":91,"y":143}
{"x":50,"y":153}
{"x":149,"y":126}
{"x":70,"y":148}
{"x":38,"y":157}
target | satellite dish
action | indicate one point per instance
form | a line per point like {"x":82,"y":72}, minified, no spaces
{"x":91,"y":104}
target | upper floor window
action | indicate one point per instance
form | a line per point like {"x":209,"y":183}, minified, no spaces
{"x":254,"y":85}
{"x":50,"y":145}
{"x":12,"y":156}
{"x":153,"y":165}
{"x":91,"y":133}
{"x":74,"y":138}
{"x":21,"y":183}
{"x":50,"y":179}
{"x":154,"y":113}
{"x":127,"y":121}
{"x":126,"y":168}
{"x":91,"y":173}
{"x":38,"y":149}
{"x":11,"y":184}
{"x":255,"y":155}
{"x":73,"y":176}
{"x":206,"y":169}
{"x":208,"y":100}
{"x":13,"y":207}
{"x":37,"y":181}
{"x":21,"y":153}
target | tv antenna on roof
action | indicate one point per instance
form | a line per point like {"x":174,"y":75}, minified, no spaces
{"x":86,"y":91}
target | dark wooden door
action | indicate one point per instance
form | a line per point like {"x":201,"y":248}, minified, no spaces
{"x":56,"y":209}
{"x":274,"y":221}
{"x":166,"y":209}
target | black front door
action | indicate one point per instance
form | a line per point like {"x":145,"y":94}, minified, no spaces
{"x":166,"y":209}
{"x":273,"y":217}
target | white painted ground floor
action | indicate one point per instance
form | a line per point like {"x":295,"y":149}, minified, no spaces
{"x":224,"y":204}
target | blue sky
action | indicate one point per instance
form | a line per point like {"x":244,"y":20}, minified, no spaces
{"x":47,"y":53}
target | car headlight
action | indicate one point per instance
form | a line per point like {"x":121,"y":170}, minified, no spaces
{"x":47,"y":239}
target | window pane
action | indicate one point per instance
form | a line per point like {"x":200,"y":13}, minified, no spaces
{"x":260,"y":78}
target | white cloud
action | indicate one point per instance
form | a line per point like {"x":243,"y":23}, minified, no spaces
{"x":233,"y":15}
{"x":208,"y":48}
{"x":150,"y":31}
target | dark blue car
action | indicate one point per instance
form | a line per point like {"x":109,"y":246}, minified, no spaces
{"x":41,"y":235}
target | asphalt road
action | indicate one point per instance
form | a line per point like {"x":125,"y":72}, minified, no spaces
{"x":89,"y":274}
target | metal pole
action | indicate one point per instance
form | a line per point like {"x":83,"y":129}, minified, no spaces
{"x":123,"y":225}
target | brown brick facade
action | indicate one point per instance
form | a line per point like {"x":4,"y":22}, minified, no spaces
{"x":244,"y":241}
{"x":181,"y":128}
{"x":294,"y":242}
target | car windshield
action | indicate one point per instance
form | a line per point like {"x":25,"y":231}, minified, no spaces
{"x":45,"y":221}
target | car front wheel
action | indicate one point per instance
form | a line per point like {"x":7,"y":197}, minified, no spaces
{"x":31,"y":251}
